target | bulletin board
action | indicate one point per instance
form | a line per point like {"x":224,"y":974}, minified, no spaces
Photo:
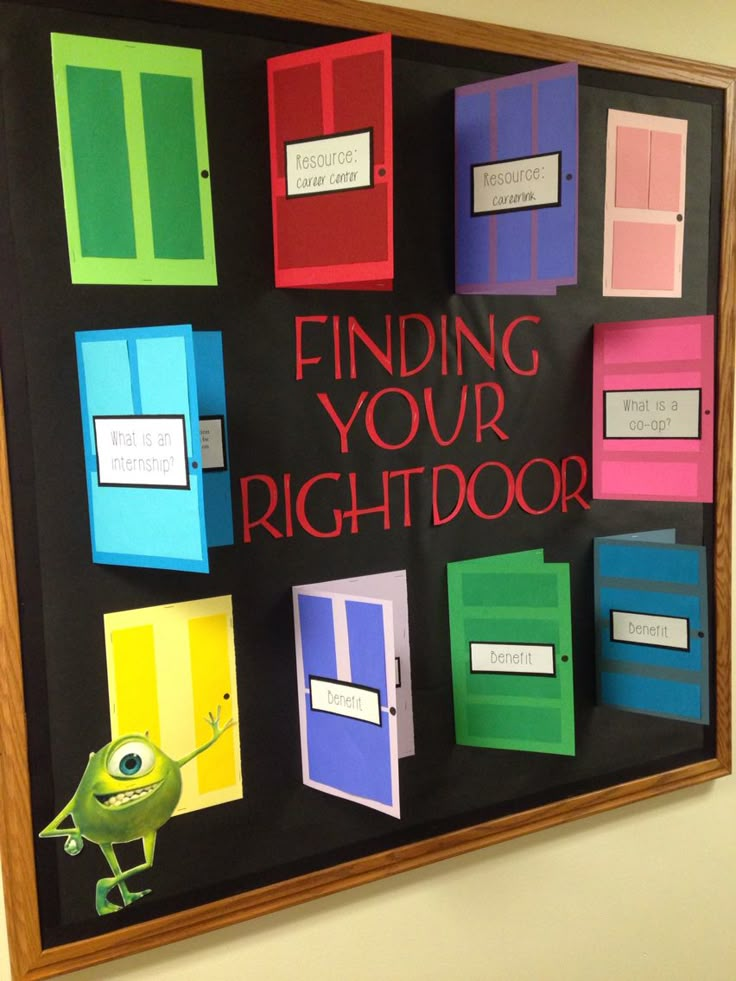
{"x":409,"y":431}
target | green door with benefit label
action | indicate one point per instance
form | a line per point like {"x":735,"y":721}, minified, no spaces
{"x":511,"y":644}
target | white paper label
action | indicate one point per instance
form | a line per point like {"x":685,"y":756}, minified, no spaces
{"x":516,"y":185}
{"x":211,"y":438}
{"x":650,"y":629}
{"x":329,"y":164}
{"x":653,"y":414}
{"x":340,"y":698}
{"x":512,"y":658}
{"x":141,"y":451}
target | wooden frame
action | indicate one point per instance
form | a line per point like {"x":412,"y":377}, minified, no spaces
{"x":28,"y":959}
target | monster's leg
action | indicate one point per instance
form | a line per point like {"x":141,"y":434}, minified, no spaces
{"x":105,"y":886}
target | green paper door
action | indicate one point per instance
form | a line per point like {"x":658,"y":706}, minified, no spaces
{"x":134,"y":162}
{"x":511,"y":648}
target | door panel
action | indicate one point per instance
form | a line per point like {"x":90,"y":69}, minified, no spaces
{"x":346,"y":672}
{"x":511,"y":647}
{"x":652,"y":636}
{"x":524,"y":249}
{"x":101,"y":169}
{"x":340,"y":235}
{"x":143,"y":376}
{"x":645,"y":205}
{"x":655,"y":362}
{"x":134,"y":162}
{"x":168,"y":668}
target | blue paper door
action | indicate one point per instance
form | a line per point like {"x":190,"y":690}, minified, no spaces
{"x":140,"y":422}
{"x":346,"y":673}
{"x":652,"y":628}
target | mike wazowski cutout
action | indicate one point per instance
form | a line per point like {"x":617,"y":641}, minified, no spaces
{"x":129,"y":789}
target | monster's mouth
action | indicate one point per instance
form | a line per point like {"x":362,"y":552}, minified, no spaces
{"x":121,"y":798}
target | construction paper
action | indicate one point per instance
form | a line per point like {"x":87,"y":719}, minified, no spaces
{"x":667,"y":170}
{"x":354,"y":687}
{"x":516,"y":183}
{"x":210,"y":371}
{"x":511,"y":650}
{"x":652,"y":641}
{"x":644,"y":256}
{"x":142,"y":377}
{"x":331,"y":141}
{"x":644,"y":205}
{"x":168,"y":668}
{"x":666,"y":536}
{"x":134,"y":162}
{"x":653,"y":405}
{"x":153,"y":498}
{"x":632,"y":167}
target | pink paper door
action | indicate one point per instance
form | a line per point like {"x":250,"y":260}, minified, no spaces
{"x":653,"y":402}
{"x":645,"y":205}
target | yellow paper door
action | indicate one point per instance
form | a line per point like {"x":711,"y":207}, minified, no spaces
{"x":168,"y":668}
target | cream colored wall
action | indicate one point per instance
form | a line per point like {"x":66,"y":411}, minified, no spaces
{"x":647,"y":893}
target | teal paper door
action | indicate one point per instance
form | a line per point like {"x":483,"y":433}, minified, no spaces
{"x":512,"y":653}
{"x":142,"y":451}
{"x":134,"y":162}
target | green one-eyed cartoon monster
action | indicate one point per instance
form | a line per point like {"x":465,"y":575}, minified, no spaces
{"x":128,"y":790}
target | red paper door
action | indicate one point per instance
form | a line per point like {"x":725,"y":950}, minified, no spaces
{"x":332,"y":165}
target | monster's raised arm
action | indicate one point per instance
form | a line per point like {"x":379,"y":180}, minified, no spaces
{"x":73,"y":844}
{"x":214,"y":722}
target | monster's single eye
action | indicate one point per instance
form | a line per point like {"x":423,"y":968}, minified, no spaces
{"x":131,"y":759}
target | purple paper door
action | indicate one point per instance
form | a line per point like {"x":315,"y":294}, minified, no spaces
{"x":345,"y":662}
{"x":525,"y":120}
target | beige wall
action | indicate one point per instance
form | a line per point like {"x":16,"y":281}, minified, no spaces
{"x":647,"y":893}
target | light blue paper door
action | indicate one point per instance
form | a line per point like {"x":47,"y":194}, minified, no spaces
{"x":351,"y":747}
{"x":140,"y":421}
